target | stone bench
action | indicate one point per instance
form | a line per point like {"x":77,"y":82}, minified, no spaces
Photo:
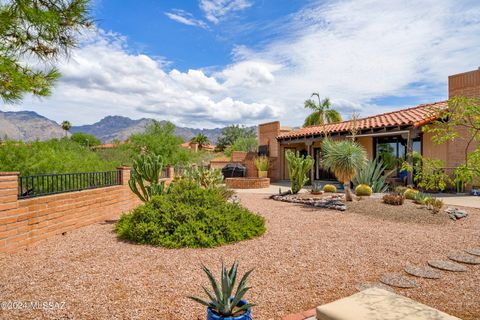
{"x":379,"y":304}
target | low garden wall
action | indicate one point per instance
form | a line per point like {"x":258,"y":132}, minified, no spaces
{"x":26,"y":221}
{"x":247,"y":183}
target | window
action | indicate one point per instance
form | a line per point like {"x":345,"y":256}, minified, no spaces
{"x":394,"y":149}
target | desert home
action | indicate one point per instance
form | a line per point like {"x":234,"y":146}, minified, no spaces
{"x":390,"y":134}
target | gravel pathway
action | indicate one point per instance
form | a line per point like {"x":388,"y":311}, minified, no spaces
{"x":307,"y":257}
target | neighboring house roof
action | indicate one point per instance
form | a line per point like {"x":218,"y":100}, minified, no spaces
{"x":415,"y":117}
{"x":106,"y":146}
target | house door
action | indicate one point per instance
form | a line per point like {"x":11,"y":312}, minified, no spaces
{"x":320,"y":173}
{"x":286,"y":176}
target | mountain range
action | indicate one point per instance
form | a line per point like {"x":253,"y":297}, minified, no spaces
{"x":30,"y":126}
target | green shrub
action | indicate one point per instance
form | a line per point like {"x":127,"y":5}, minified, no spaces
{"x":394,"y":199}
{"x":400,"y":189}
{"x":52,"y":156}
{"x":329,"y":188}
{"x":298,"y":166}
{"x":434,"y":204}
{"x":363,"y":190}
{"x":420,"y":198}
{"x":189,"y":216}
{"x":261,"y":163}
{"x":207,"y":178}
{"x":410,"y":193}
{"x":85,"y":139}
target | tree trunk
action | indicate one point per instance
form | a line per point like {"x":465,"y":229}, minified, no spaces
{"x":348,"y":192}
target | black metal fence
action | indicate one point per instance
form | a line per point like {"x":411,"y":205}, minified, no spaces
{"x":46,"y":184}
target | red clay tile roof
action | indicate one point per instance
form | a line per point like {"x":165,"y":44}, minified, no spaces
{"x":415,"y":117}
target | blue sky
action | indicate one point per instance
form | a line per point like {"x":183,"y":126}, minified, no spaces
{"x":151,"y":31}
{"x":209,"y":63}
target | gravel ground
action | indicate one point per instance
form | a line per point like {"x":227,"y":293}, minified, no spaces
{"x":307,"y":257}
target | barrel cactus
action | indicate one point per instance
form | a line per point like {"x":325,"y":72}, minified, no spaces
{"x":329,"y":188}
{"x":363,"y":190}
{"x":410,"y":193}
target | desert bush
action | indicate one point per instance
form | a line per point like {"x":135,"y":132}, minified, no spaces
{"x":207,"y":178}
{"x":400,"y":189}
{"x":85,"y":139}
{"x":363,"y":190}
{"x":420,"y":198}
{"x":298,"y":166}
{"x":261,"y":163}
{"x":410,"y":193}
{"x":189,"y":216}
{"x":394,"y":199}
{"x":329,"y":188}
{"x":52,"y":156}
{"x":373,"y":174}
{"x":434,"y":204}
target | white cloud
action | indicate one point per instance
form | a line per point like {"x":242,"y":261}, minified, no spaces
{"x":184,"y":17}
{"x":355,"y":52}
{"x":215,"y":10}
{"x":358,"y":51}
{"x":103,"y":78}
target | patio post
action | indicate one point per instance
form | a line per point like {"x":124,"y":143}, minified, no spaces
{"x":409,"y":156}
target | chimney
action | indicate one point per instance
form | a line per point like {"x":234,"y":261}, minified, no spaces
{"x":464,"y":84}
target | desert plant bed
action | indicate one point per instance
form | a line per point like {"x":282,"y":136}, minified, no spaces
{"x":408,"y":212}
{"x":307,"y":257}
{"x":327,"y":201}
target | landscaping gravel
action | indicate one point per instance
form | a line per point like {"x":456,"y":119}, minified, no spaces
{"x":308,"y":256}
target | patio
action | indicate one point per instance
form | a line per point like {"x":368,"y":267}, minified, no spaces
{"x":308,"y":257}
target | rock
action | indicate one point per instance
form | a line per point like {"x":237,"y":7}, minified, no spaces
{"x":455,"y":213}
{"x":464,"y":258}
{"x":423,"y":272}
{"x":474,"y":251}
{"x":447,"y":265}
{"x":397,"y":280}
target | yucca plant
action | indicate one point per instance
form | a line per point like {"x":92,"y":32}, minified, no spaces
{"x":373,"y":174}
{"x":223,"y":301}
{"x":344,"y":158}
{"x":298,"y":166}
{"x":145,"y":177}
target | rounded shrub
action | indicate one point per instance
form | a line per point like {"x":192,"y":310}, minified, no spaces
{"x":410,"y":194}
{"x":363,"y":190}
{"x":329,"y":188}
{"x":189,"y":216}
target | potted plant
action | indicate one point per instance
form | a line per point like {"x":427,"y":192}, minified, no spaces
{"x":316,"y":189}
{"x":224,"y":304}
{"x":262,"y":166}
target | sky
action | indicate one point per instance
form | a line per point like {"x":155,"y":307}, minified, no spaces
{"x":210,"y":63}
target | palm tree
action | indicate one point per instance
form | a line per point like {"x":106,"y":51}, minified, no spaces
{"x":321,"y":112}
{"x":201,"y":140}
{"x":344,"y":158}
{"x":66,"y":125}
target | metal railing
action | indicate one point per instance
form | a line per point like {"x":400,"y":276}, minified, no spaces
{"x":47,"y":184}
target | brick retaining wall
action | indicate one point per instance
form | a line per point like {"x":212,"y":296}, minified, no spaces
{"x":27,"y":221}
{"x":247,"y":183}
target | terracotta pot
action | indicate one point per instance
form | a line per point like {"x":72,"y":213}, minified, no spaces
{"x":262,"y":174}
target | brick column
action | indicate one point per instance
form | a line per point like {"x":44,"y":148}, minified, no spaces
{"x":8,"y":204}
{"x":170,"y":172}
{"x":124,"y":175}
{"x":8,"y":191}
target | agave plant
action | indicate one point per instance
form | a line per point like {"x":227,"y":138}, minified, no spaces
{"x":222,"y":300}
{"x":373,"y":174}
{"x":145,"y":177}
